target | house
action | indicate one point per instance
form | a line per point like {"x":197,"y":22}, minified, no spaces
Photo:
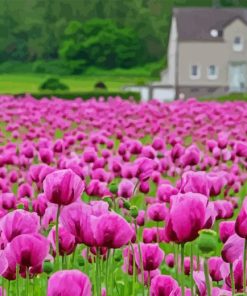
{"x":207,"y":53}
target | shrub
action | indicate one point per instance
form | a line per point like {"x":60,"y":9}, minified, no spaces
{"x":100,"y":85}
{"x":53,"y":83}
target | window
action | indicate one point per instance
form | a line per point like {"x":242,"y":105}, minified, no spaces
{"x":238,"y":43}
{"x":195,"y":72}
{"x":212,"y":72}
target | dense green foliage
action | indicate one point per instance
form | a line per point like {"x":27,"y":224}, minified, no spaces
{"x":106,"y":33}
{"x":100,"y":43}
{"x":63,"y":67}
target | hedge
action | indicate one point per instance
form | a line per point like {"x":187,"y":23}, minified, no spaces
{"x":86,"y":95}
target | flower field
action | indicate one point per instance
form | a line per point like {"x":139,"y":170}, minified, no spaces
{"x":117,"y":198}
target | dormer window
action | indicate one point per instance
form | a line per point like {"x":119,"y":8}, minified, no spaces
{"x":238,"y":43}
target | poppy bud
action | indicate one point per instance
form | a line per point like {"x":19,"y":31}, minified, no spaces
{"x":48,"y":267}
{"x":20,"y":206}
{"x":118,"y":255}
{"x":113,"y":188}
{"x":81,"y":261}
{"x":126,"y":204}
{"x":133,"y":212}
{"x":207,"y":242}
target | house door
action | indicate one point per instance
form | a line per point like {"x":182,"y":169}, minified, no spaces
{"x":238,"y":77}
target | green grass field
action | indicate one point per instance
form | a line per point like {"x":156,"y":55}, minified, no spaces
{"x":114,"y":80}
{"x":20,"y":83}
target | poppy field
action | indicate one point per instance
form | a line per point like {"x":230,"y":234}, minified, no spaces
{"x":121,"y":198}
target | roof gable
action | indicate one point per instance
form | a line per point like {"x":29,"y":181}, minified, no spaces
{"x":233,"y":20}
{"x":195,"y":24}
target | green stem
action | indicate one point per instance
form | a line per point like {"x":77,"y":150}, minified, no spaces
{"x":158,"y":237}
{"x":57,"y":238}
{"x":8,"y":288}
{"x":33,"y":281}
{"x":128,"y":265}
{"x":45,"y":281}
{"x":244,"y":266}
{"x":106,"y":272}
{"x":99,"y":266}
{"x":17,"y":281}
{"x":141,"y":261}
{"x":149,"y":282}
{"x":191,"y":269}
{"x":72,"y":259}
{"x":182,"y":270}
{"x":135,"y":188}
{"x":198,"y":258}
{"x":114,"y":203}
{"x":86,"y":261}
{"x":111,"y":269}
{"x":134,"y":271}
{"x":97,"y":275}
{"x":206,"y":272}
{"x":27,"y":281}
{"x":232,"y":279}
{"x":176,"y":260}
{"x":2,"y":283}
{"x":65,"y":262}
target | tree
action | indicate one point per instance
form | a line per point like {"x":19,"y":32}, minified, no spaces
{"x":101,"y":43}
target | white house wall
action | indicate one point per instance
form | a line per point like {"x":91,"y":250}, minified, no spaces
{"x":169,"y":77}
{"x":164,"y":94}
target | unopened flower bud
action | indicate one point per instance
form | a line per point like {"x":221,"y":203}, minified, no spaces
{"x":113,"y":188}
{"x":207,"y":242}
{"x":20,"y":207}
{"x":48,"y":267}
{"x":81,"y":261}
{"x":126,"y":204}
{"x":117,"y":255}
{"x":133,"y":212}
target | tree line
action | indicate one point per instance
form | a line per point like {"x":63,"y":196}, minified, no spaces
{"x":107,"y":34}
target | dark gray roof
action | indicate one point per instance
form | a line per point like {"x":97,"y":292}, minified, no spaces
{"x":197,"y":23}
